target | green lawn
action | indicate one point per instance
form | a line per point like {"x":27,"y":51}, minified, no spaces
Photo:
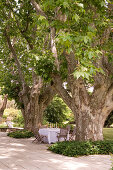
{"x":108,"y":133}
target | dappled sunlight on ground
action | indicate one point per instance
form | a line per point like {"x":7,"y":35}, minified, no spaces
{"x":16,"y":144}
{"x":19,"y":154}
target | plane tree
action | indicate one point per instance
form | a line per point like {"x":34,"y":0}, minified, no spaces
{"x":79,"y":35}
{"x":18,"y":76}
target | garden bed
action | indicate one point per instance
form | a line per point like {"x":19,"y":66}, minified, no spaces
{"x":75,"y":148}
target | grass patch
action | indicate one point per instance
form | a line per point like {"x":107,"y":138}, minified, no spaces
{"x":108,"y":133}
{"x":20,"y":134}
{"x":75,"y":148}
{"x":3,"y":126}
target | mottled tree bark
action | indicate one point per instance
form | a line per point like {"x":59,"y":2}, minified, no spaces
{"x":3,"y":106}
{"x":90,"y":113}
{"x":35,"y":105}
{"x":90,"y":110}
{"x":89,"y":126}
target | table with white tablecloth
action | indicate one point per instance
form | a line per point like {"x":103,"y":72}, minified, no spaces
{"x":51,"y":134}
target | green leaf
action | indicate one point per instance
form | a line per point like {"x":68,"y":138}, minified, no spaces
{"x":65,"y":4}
{"x":41,"y":17}
{"x":103,"y":3}
{"x":86,"y":39}
{"x":91,"y":54}
{"x":69,"y":50}
{"x":80,"y":5}
{"x":75,"y":17}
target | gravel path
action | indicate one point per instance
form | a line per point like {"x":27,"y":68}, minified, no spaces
{"x":22,"y":154}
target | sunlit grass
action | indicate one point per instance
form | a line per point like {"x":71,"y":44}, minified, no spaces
{"x":108,"y":133}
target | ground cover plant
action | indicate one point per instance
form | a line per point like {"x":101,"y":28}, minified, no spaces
{"x":21,"y":134}
{"x":76,"y":148}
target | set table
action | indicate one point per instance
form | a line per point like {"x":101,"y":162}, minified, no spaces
{"x":51,"y":134}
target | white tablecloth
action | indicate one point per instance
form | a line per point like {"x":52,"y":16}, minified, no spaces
{"x":51,"y":134}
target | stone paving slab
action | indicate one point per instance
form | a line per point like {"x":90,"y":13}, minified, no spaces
{"x":22,"y":154}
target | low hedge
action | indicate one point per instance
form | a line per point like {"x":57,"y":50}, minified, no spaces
{"x":20,"y":134}
{"x":75,"y":148}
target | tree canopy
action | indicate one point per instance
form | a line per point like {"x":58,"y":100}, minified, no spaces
{"x":18,"y":63}
{"x":68,"y":45}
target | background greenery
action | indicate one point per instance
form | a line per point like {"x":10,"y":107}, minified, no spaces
{"x":58,"y":112}
{"x":15,"y":115}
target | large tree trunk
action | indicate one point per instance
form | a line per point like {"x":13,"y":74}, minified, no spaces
{"x":3,"y":107}
{"x":35,"y":104}
{"x":90,"y":111}
{"x":89,"y":125}
{"x":33,"y":117}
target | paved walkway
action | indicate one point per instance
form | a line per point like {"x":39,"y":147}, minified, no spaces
{"x":22,"y":154}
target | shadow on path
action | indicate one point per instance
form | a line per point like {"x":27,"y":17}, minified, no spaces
{"x":22,"y":154}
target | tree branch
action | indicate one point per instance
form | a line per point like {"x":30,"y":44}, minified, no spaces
{"x":58,"y":86}
{"x":38,"y":9}
{"x":71,"y":65}
{"x":53,"y":47}
{"x":47,"y":95}
{"x":16,"y":59}
{"x":52,"y":32}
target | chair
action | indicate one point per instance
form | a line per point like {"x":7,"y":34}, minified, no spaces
{"x":72,"y":136}
{"x":68,"y":128}
{"x":63,"y":134}
{"x":38,"y":138}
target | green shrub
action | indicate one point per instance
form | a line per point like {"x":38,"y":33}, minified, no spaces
{"x":15,"y":115}
{"x":18,"y":120}
{"x":20,"y":134}
{"x":57,"y":111}
{"x":75,"y":148}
